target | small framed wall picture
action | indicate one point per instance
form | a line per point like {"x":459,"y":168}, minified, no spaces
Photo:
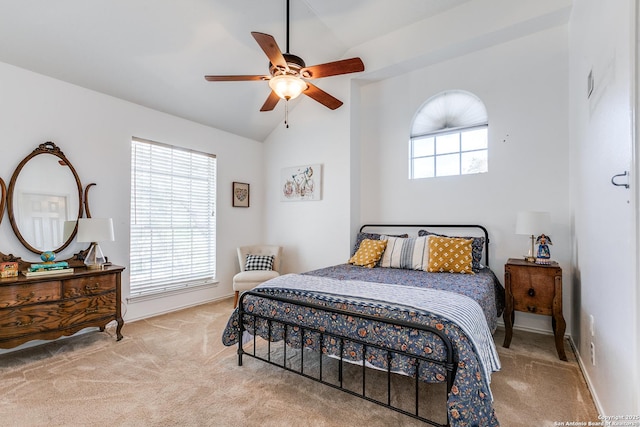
{"x":240,"y":195}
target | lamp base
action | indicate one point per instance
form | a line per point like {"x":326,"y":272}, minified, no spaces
{"x":94,"y":258}
{"x":529,"y":258}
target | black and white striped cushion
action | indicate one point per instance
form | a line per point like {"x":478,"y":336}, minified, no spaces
{"x":411,"y":253}
{"x":259,"y":262}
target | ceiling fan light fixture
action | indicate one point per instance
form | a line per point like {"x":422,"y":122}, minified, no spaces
{"x":287,"y":86}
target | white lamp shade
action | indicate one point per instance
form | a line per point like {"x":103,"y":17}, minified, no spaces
{"x":533,"y":223}
{"x":95,"y":230}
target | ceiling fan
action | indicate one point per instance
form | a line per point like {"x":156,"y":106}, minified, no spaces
{"x":288,"y":74}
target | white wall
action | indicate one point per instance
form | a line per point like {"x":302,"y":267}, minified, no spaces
{"x":94,"y":131}
{"x":603,"y":39}
{"x":314,"y":234}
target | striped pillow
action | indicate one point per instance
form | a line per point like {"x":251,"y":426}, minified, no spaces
{"x":409,"y":253}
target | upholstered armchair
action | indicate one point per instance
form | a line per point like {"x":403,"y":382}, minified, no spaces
{"x":258,"y":263}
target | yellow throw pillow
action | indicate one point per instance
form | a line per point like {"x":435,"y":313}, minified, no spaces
{"x":369,"y":252}
{"x":450,"y":255}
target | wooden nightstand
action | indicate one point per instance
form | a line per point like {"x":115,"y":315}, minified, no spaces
{"x":534,"y":288}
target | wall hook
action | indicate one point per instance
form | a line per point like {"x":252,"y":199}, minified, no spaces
{"x":613,"y":180}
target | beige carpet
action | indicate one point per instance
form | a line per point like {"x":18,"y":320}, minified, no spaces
{"x":172,"y":370}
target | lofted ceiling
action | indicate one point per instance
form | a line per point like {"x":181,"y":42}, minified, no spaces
{"x":156,"y":52}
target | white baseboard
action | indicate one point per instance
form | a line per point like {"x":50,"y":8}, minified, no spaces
{"x":182,"y":307}
{"x":529,"y":329}
{"x":587,"y":379}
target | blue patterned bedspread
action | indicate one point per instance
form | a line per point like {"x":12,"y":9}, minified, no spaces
{"x":483,"y":287}
{"x":469,"y":402}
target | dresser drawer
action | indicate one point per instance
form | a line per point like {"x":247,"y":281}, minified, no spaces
{"x":21,"y":294}
{"x":533,"y":289}
{"x":81,"y":310}
{"x":87,"y":286}
{"x":29,"y":319}
{"x":533,"y":300}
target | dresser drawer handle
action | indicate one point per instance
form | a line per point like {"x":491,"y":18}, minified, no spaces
{"x":19,"y":324}
{"x":531,"y":292}
{"x":92,"y":288}
{"x":91,"y":310}
{"x":26,"y":298}
{"x":531,"y":309}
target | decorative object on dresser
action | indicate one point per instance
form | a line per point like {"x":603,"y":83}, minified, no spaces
{"x":95,"y":230}
{"x":8,"y":269}
{"x":544,"y":253}
{"x":48,"y":267}
{"x":50,"y":307}
{"x":532,"y":224}
{"x":537,"y":289}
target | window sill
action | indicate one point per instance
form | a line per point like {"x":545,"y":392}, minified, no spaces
{"x":165,"y":293}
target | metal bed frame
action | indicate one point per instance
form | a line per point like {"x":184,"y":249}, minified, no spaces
{"x":449,"y":363}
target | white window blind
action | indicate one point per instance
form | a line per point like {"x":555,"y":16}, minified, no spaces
{"x":449,"y":136}
{"x":173,"y":232}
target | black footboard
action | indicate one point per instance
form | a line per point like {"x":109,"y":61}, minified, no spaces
{"x":449,"y":363}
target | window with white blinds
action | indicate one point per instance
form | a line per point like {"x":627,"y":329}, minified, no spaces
{"x":449,"y":136}
{"x":173,"y":228}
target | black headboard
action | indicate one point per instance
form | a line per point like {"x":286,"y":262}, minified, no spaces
{"x":478,"y":229}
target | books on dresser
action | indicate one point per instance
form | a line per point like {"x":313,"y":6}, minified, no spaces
{"x":48,"y":269}
{"x":49,"y":272}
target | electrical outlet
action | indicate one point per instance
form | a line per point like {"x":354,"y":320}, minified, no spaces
{"x":592,"y":325}
{"x":593,"y":354}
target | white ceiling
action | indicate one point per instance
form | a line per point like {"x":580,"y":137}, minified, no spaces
{"x":156,"y":52}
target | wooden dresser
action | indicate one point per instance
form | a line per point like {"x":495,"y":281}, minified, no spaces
{"x":52,"y":306}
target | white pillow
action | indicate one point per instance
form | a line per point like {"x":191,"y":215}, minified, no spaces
{"x":410,"y":253}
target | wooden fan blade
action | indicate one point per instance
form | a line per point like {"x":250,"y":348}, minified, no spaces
{"x":271,"y":49}
{"x":234,"y":78}
{"x":322,"y":97}
{"x":271,"y":102}
{"x":345,"y":66}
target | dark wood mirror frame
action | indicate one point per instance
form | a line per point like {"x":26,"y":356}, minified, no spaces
{"x":3,"y":195}
{"x":7,"y":200}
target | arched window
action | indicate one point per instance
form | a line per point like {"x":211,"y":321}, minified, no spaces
{"x":449,"y":136}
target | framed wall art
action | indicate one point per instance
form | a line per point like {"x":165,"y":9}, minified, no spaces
{"x":301,"y":183}
{"x":240,"y":195}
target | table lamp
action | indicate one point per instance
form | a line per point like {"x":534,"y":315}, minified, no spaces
{"x":94,"y":230}
{"x":532,"y":224}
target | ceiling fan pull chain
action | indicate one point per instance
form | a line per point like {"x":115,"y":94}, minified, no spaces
{"x":286,"y":113}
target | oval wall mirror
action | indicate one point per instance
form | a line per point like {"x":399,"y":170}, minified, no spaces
{"x":44,"y":195}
